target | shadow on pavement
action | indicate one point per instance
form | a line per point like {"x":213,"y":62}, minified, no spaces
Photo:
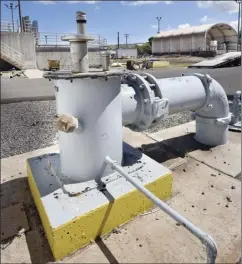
{"x":173,"y":148}
{"x":19,"y":217}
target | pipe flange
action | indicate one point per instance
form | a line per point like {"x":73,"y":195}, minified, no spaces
{"x":154,"y":84}
{"x":146,"y":95}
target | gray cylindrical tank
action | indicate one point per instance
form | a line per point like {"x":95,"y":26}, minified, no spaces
{"x":97,"y":104}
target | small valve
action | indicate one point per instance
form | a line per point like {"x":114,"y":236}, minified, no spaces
{"x":67,"y":123}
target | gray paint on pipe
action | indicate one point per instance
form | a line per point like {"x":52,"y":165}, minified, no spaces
{"x":184,"y":93}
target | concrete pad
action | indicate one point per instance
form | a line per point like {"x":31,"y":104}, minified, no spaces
{"x":13,"y":219}
{"x":180,"y":140}
{"x":14,"y":167}
{"x":16,"y":252}
{"x":173,"y":132}
{"x":72,"y":221}
{"x":155,"y":237}
{"x":14,"y":184}
{"x":38,"y":247}
{"x":33,"y":73}
{"x":135,"y":139}
{"x":98,"y":255}
{"x":225,"y":158}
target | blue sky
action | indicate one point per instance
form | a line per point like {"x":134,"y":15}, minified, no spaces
{"x":137,"y":18}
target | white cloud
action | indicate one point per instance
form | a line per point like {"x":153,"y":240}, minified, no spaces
{"x":204,"y":19}
{"x":184,"y":25}
{"x":207,"y":20}
{"x":46,"y":2}
{"x":223,"y":6}
{"x":139,"y":3}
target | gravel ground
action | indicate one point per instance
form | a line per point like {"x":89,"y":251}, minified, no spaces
{"x":28,"y":126}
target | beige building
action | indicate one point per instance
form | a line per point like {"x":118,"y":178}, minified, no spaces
{"x":220,"y":37}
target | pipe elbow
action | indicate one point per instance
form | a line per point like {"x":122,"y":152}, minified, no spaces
{"x":216,"y":105}
{"x":213,"y":118}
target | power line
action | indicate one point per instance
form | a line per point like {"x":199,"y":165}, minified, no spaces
{"x":126,"y":37}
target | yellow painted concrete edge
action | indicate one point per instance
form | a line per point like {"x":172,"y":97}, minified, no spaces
{"x":78,"y":232}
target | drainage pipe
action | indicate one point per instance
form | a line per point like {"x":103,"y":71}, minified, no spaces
{"x":203,"y":237}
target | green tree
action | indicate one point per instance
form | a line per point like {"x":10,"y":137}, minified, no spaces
{"x":150,"y":40}
{"x":146,"y":48}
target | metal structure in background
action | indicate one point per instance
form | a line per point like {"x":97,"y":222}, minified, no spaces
{"x":158,"y":21}
{"x":239,"y":26}
{"x":20,"y":16}
{"x":54,"y":39}
{"x":12,"y":8}
{"x":126,"y":39}
{"x":235,"y":109}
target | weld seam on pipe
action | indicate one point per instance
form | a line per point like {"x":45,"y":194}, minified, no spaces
{"x":203,"y":237}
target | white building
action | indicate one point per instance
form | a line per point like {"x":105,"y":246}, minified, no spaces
{"x":126,"y":53}
{"x":213,"y":37}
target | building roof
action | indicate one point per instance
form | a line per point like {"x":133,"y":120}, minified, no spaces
{"x":195,"y":30}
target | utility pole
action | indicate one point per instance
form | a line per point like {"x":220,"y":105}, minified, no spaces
{"x":20,"y":16}
{"x":46,"y":39}
{"x":10,"y":6}
{"x":118,"y":40}
{"x":158,"y":21}
{"x":126,"y":37}
{"x":239,"y":29}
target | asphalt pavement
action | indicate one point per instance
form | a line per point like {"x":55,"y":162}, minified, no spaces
{"x":23,"y":89}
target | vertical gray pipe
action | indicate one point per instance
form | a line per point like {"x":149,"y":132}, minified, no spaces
{"x":81,"y":21}
{"x":79,"y":51}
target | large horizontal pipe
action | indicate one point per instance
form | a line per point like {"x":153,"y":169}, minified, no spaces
{"x":146,"y":99}
{"x":184,"y":93}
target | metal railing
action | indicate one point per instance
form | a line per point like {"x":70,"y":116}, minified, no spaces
{"x":45,"y":38}
{"x":11,"y":54}
{"x":9,"y":25}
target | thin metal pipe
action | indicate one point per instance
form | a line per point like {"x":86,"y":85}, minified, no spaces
{"x":203,"y":237}
{"x":238,"y":38}
{"x":20,"y":16}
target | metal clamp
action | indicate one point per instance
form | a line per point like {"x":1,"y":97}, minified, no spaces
{"x":152,"y":105}
{"x":160,"y":107}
